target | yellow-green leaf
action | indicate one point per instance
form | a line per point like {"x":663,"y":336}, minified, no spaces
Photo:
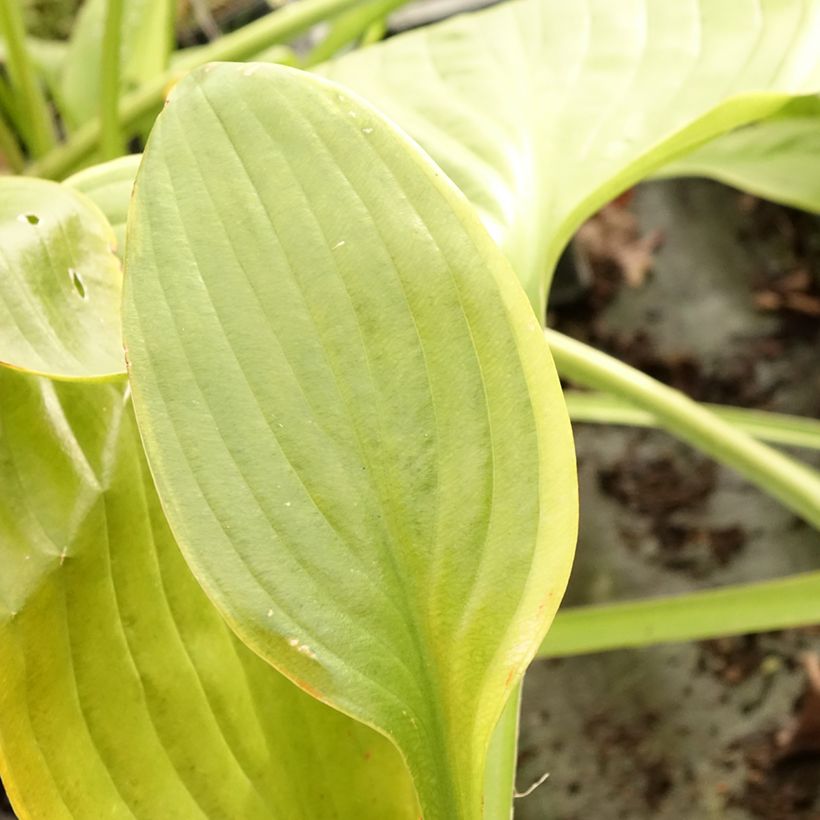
{"x":351,"y":413}
{"x":109,"y":186}
{"x":145,"y":48}
{"x":123,"y":693}
{"x":542,"y":110}
{"x":777,"y":158}
{"x":60,"y":283}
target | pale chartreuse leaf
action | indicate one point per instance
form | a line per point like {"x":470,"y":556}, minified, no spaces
{"x":146,"y":46}
{"x":777,"y":158}
{"x":60,"y":282}
{"x":542,"y":110}
{"x":352,"y":416}
{"x":124,"y":694}
{"x":109,"y":186}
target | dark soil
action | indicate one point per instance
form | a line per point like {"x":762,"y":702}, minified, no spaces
{"x":785,"y":284}
{"x":5,"y":806}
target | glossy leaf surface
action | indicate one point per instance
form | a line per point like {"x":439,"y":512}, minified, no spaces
{"x":351,"y":413}
{"x":109,"y":186}
{"x":123,"y":693}
{"x":542,"y":110}
{"x":60,"y":282}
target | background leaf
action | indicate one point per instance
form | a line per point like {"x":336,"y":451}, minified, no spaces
{"x":146,"y":45}
{"x":48,"y":57}
{"x":109,"y":186}
{"x":777,"y":158}
{"x":122,"y":690}
{"x":542,"y":110}
{"x":60,"y":282}
{"x":351,"y":413}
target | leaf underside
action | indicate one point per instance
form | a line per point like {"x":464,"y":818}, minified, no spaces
{"x":353,"y":419}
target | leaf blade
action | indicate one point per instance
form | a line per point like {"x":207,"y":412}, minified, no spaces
{"x":122,"y":686}
{"x":541,"y":113}
{"x":109,"y":187}
{"x":775,"y":158}
{"x":343,"y":536}
{"x":60,"y":283}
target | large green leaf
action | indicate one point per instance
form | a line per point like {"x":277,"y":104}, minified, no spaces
{"x":146,"y":45}
{"x":542,"y":110}
{"x":352,"y":416}
{"x":109,"y":186}
{"x":123,"y":693}
{"x":60,"y":282}
{"x":777,"y":158}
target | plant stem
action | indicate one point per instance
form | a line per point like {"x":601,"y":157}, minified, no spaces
{"x":502,"y":756}
{"x":277,"y":27}
{"x":734,"y":610}
{"x":39,"y":129}
{"x":777,"y":428}
{"x":111,"y":141}
{"x":794,"y":484}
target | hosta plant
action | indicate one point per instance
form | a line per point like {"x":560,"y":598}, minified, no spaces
{"x":289,"y":507}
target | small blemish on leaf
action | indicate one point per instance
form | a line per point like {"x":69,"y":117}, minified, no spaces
{"x":30,"y":219}
{"x":77,"y":281}
{"x":302,"y":648}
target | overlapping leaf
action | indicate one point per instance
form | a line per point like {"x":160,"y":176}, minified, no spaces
{"x":777,"y":158}
{"x":350,"y":410}
{"x":109,"y":186}
{"x":60,"y":282}
{"x":541,"y":110}
{"x":122,"y":691}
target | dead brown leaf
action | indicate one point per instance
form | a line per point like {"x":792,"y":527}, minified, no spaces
{"x":613,"y":237}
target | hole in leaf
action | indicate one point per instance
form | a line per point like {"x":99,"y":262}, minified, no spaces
{"x":77,"y":281}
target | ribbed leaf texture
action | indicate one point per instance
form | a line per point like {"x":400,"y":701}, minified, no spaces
{"x":123,"y":693}
{"x":352,"y":415}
